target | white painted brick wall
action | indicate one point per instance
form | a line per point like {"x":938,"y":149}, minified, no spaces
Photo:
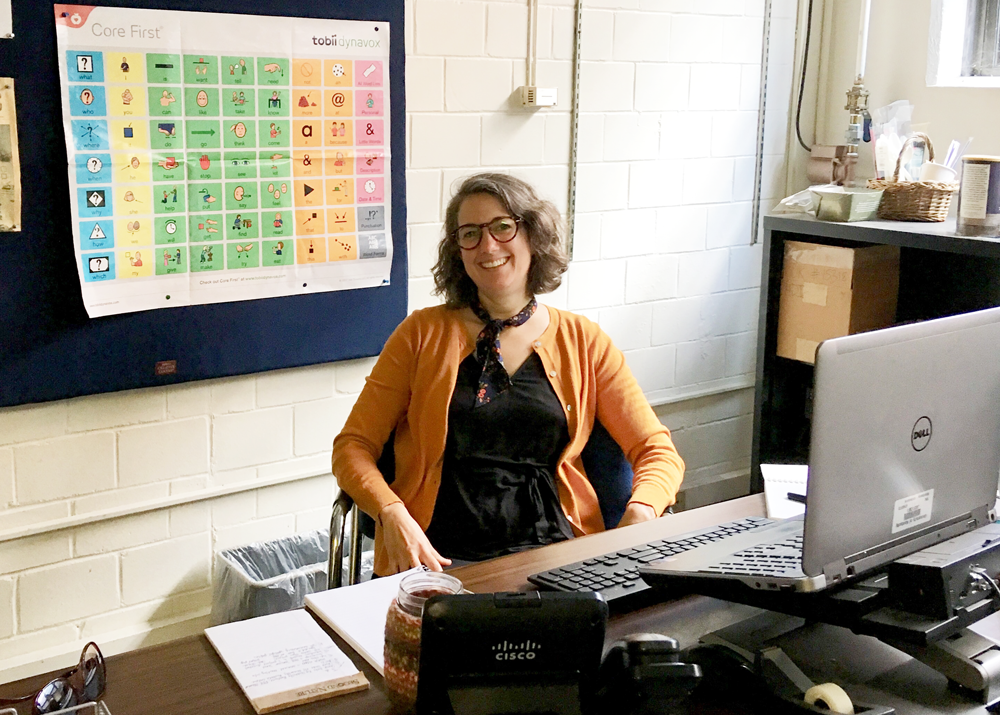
{"x":20,"y":517}
{"x":651,"y":278}
{"x":628,"y":233}
{"x":115,"y":409}
{"x":423,"y":193}
{"x":6,"y":607}
{"x":450,"y":28}
{"x":173,"y":566}
{"x":513,"y":140}
{"x":661,"y":259}
{"x":701,"y":361}
{"x":628,"y":326}
{"x":462,"y":145}
{"x":6,"y":477}
{"x":476,"y":84}
{"x":162,"y":451}
{"x":251,"y":532}
{"x":317,"y":423}
{"x":287,"y":387}
{"x":641,"y":37}
{"x":595,"y":284}
{"x":42,"y":600}
{"x":661,"y":87}
{"x":507,"y":30}
{"x":122,"y":533}
{"x":64,"y":467}
{"x":254,"y":438}
{"x":653,"y":367}
{"x":34,"y":422}
{"x":424,"y":86}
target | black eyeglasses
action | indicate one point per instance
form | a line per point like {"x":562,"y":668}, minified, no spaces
{"x":84,"y":684}
{"x":503,"y":229}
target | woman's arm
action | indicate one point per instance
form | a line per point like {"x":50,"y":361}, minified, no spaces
{"x":382,"y":404}
{"x":626,"y":414}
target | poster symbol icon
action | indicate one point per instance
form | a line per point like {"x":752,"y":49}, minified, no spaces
{"x":307,"y":130}
{"x":85,"y":63}
{"x":94,"y":164}
{"x":100,"y":264}
{"x":338,"y":99}
{"x":97,"y":233}
{"x":95,"y":198}
{"x":307,"y":189}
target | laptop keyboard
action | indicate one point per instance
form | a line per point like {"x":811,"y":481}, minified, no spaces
{"x":781,"y":559}
{"x":616,"y":575}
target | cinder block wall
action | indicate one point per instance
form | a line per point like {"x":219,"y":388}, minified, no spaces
{"x":116,"y":503}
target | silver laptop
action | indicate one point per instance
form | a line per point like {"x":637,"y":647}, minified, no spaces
{"x":904,"y":453}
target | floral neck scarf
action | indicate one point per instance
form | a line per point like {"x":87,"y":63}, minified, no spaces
{"x":494,"y":378}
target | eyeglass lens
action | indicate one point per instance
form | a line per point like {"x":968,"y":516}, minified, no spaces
{"x":503,"y":229}
{"x":57,"y":695}
{"x":83,"y":684}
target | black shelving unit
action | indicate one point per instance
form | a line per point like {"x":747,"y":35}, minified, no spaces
{"x":941,"y":273}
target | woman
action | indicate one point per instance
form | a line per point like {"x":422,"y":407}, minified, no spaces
{"x":492,"y":398}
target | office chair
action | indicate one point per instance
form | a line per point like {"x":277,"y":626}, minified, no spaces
{"x":607,"y":468}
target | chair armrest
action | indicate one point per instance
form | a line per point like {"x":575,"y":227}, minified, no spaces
{"x":342,"y":507}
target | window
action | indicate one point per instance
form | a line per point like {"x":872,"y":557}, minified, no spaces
{"x":963,"y":48}
{"x":982,"y":39}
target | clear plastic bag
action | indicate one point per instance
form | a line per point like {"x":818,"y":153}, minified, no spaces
{"x":269,"y":576}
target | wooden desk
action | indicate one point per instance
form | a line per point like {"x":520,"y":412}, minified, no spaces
{"x":186,"y":676}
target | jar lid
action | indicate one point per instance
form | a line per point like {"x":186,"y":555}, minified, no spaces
{"x":981,"y":157}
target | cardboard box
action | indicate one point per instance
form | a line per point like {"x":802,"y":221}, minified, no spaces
{"x":828,"y":291}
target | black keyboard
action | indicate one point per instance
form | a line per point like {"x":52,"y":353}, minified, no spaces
{"x":616,"y":575}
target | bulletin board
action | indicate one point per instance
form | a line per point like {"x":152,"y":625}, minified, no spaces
{"x":59,"y":341}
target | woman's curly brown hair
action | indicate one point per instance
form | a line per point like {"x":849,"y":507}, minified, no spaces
{"x":539,"y":219}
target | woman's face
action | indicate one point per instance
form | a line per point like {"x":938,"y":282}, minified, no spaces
{"x":499,"y":270}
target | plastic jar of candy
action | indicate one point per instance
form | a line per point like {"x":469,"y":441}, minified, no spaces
{"x":402,"y":632}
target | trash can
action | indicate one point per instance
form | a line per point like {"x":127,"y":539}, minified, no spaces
{"x":269,"y":576}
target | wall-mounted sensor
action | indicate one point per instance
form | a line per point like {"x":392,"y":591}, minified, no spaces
{"x":538,"y":96}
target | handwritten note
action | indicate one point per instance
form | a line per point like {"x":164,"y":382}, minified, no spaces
{"x":284,"y":659}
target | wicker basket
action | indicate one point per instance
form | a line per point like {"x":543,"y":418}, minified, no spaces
{"x":914,"y":200}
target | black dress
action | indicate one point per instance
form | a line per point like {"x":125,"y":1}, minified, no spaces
{"x":498,"y":492}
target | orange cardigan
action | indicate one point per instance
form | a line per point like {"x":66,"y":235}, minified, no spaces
{"x":410,"y":390}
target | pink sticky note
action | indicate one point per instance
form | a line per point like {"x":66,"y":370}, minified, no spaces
{"x":369,"y":132}
{"x":371,"y":190}
{"x":367,"y":73}
{"x":370,"y":162}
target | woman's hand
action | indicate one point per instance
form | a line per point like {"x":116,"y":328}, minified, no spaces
{"x":406,"y":543}
{"x":636,"y":513}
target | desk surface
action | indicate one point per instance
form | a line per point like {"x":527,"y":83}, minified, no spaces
{"x":186,"y":676}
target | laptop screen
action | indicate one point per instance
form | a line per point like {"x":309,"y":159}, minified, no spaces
{"x":905,"y":441}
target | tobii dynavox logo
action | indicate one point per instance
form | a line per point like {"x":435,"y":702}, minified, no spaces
{"x":920,"y":436}
{"x":333,"y":40}
{"x":526,"y":650}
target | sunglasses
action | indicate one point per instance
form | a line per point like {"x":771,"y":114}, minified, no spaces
{"x":84,"y":684}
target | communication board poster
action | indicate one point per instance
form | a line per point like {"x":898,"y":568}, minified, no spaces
{"x":217,"y":157}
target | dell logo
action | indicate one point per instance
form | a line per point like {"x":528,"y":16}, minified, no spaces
{"x":920,"y":436}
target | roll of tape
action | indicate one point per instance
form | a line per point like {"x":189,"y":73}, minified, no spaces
{"x":830,"y":696}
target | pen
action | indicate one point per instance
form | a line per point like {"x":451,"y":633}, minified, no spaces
{"x":798,"y":498}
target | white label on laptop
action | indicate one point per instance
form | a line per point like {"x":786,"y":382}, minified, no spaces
{"x":912,"y":511}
